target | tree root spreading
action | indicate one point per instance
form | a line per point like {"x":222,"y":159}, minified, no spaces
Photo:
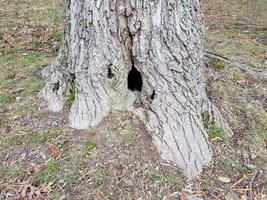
{"x":241,"y":66}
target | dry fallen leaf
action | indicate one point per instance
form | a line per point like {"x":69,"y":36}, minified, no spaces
{"x":183,"y":196}
{"x":224,"y":179}
{"x":47,"y":188}
{"x":54,"y":150}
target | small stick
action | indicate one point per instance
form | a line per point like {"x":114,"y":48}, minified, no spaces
{"x":251,"y":183}
{"x":239,"y":181}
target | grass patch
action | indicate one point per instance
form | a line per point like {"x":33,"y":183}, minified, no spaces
{"x":215,"y":131}
{"x":124,"y":134}
{"x":22,"y":62}
{"x":154,"y":175}
{"x":56,"y":36}
{"x":49,"y":173}
{"x":11,"y":172}
{"x":229,"y":165}
{"x":90,"y":146}
{"x":7,"y":83}
{"x":67,"y":169}
{"x":206,"y":182}
{"x":237,"y":76}
{"x":217,"y":64}
{"x":176,"y":182}
{"x":71,"y":167}
{"x":71,"y":94}
{"x":5,"y":98}
{"x":32,"y":85}
{"x":44,"y":136}
{"x":55,"y":195}
{"x":262,"y":132}
{"x":97,"y":177}
{"x":15,"y":139}
{"x":157,"y":177}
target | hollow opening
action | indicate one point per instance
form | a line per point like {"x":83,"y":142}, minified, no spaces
{"x":153,"y":95}
{"x":110,"y":74}
{"x":56,"y":87}
{"x":135,"y":80}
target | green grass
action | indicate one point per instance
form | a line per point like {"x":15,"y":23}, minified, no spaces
{"x":97,"y":177}
{"x":5,"y":98}
{"x":67,"y":170}
{"x":14,"y":140}
{"x":124,"y":134}
{"x":215,"y":131}
{"x":71,"y":94}
{"x":206,"y":182}
{"x":21,"y":62}
{"x":240,"y":47}
{"x":44,"y":136}
{"x":55,"y":195}
{"x":217,"y":64}
{"x":263,"y":132}
{"x":90,"y":146}
{"x":38,"y":14}
{"x":49,"y":173}
{"x":11,"y":172}
{"x":71,"y":167}
{"x":13,"y":63}
{"x":32,"y":85}
{"x":156,"y":176}
{"x":54,"y":38}
{"x":176,"y":182}
{"x":34,"y":139}
{"x":228,"y":165}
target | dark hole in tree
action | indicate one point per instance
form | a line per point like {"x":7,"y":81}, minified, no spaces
{"x":153,"y":95}
{"x":110,"y":74}
{"x":56,"y":87}
{"x":72,"y":77}
{"x":135,"y":80}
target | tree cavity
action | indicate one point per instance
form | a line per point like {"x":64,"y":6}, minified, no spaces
{"x":135,"y":82}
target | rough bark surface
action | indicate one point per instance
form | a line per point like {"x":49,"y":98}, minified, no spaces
{"x":162,"y":40}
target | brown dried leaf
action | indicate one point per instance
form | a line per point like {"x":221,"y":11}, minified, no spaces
{"x":183,"y":196}
{"x":54,"y":150}
{"x":47,"y":188}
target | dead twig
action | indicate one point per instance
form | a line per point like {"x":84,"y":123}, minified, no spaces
{"x":251,"y":184}
{"x":239,"y":181}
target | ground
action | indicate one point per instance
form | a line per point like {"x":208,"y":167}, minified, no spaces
{"x":41,"y":156}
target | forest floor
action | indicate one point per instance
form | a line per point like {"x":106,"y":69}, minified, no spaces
{"x":41,"y":156}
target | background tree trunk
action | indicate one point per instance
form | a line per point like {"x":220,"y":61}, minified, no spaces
{"x":139,"y":55}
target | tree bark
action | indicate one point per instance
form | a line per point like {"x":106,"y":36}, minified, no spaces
{"x":144,"y":56}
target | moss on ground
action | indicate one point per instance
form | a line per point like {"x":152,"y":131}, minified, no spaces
{"x":217,"y":64}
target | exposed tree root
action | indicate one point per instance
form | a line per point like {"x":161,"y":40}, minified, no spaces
{"x":241,"y":66}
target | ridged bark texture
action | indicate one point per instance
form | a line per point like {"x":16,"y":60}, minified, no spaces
{"x":162,"y":40}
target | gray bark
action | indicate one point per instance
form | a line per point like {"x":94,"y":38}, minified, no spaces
{"x":162,"y":39}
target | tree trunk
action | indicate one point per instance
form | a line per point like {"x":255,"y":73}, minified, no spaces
{"x":143,"y":56}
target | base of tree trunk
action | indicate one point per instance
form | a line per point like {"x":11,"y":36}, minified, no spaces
{"x":137,"y":57}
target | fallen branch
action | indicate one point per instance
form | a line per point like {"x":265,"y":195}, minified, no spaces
{"x":251,"y":184}
{"x":241,"y":66}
